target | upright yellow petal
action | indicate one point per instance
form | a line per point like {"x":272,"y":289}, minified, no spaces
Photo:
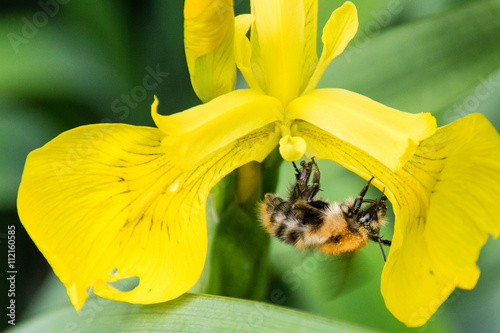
{"x":208,"y":41}
{"x":243,"y":50}
{"x":201,"y":130}
{"x":104,"y":202}
{"x":278,"y":46}
{"x":389,"y":135}
{"x":443,"y":199}
{"x":310,"y":58}
{"x":337,"y":33}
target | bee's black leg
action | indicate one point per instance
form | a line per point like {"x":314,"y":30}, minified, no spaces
{"x":386,"y":242}
{"x":301,"y":189}
{"x":359,"y":199}
{"x":297,"y":171}
{"x":313,"y":190}
{"x":381,"y":241}
{"x":381,"y":205}
{"x":305,"y":172}
{"x":380,"y":244}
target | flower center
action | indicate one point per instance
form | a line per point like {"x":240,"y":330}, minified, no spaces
{"x":291,"y":147}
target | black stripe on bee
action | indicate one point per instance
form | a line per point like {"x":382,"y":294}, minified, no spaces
{"x":293,"y":236}
{"x":319,"y":204}
{"x":307,"y":214}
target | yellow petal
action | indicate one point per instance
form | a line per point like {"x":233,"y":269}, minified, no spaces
{"x":243,"y":50}
{"x":324,"y":145}
{"x":389,"y":135}
{"x":444,"y":200}
{"x":208,"y":39}
{"x":104,"y":202}
{"x":461,"y":161}
{"x":418,"y":287}
{"x":310,"y":58}
{"x":337,"y":33}
{"x":197,"y":132}
{"x":468,"y":187}
{"x":207,"y":22}
{"x":278,"y":46}
{"x":96,"y":199}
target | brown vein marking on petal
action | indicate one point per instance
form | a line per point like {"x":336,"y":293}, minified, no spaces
{"x":359,"y":161}
{"x":428,"y":158}
{"x":220,"y":163}
{"x":190,"y":188}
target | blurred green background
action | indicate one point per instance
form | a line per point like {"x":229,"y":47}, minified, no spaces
{"x":69,"y":63}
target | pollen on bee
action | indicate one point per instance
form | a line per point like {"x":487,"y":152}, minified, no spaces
{"x":344,"y":243}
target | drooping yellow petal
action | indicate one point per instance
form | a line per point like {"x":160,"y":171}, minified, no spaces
{"x":324,"y":145}
{"x":468,"y":185}
{"x":104,"y":202}
{"x":389,"y":135}
{"x":208,"y":41}
{"x":197,"y":132}
{"x":462,"y":161}
{"x":337,"y":33}
{"x":444,"y":207}
{"x":89,"y":199}
{"x":278,"y":47}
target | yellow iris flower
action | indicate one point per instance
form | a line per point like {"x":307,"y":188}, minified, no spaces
{"x":110,"y":201}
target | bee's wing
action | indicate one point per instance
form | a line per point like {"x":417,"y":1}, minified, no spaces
{"x":340,"y":275}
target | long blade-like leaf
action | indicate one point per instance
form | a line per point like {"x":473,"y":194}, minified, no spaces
{"x":189,"y":313}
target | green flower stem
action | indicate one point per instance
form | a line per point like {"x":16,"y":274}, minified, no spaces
{"x":239,"y":249}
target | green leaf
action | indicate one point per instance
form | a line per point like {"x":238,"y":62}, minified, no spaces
{"x":426,"y":64}
{"x":16,"y":120}
{"x":238,"y":257}
{"x":103,"y":23}
{"x":237,"y":260}
{"x":55,"y":61}
{"x":188,"y":313}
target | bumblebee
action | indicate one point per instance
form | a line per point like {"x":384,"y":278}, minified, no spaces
{"x":336,"y":228}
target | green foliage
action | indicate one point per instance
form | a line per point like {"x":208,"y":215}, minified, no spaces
{"x":188,"y":313}
{"x":238,"y":256}
{"x":426,"y":65}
